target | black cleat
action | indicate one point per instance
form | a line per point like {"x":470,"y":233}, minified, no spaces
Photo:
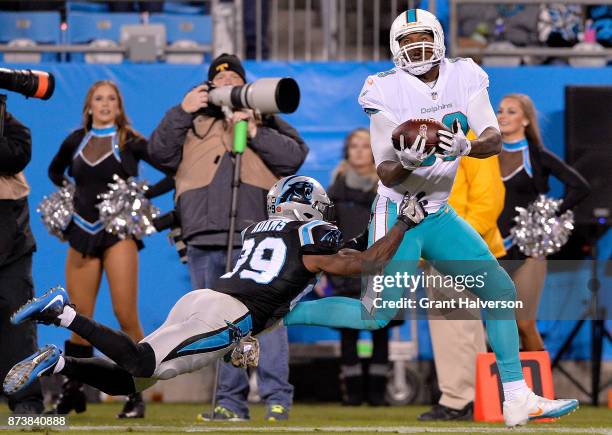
{"x":134,"y":407}
{"x":444,"y":413}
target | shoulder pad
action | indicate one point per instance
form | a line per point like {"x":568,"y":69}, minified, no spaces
{"x":319,"y":237}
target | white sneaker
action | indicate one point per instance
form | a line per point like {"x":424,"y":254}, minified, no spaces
{"x":531,"y":407}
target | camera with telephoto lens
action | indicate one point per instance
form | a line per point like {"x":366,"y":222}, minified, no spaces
{"x":266,"y":96}
{"x":31,"y":83}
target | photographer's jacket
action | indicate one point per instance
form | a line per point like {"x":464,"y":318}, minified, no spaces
{"x":198,"y":151}
{"x":16,"y":238}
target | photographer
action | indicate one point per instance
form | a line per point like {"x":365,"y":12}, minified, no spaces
{"x":194,"y":142}
{"x":16,"y":248}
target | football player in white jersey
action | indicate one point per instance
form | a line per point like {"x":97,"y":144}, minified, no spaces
{"x":425,"y":84}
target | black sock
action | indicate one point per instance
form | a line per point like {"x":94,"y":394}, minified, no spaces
{"x":100,"y":373}
{"x":78,"y":350}
{"x":137,"y":358}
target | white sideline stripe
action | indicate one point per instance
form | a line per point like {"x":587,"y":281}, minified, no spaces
{"x":340,"y":429}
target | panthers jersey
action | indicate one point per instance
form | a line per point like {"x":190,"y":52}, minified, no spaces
{"x":400,"y":96}
{"x":270,"y":274}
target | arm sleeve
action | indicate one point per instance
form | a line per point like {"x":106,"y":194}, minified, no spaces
{"x":63,"y":158}
{"x":381,"y":128}
{"x":480,"y":113}
{"x":485,"y":199}
{"x":280,"y":147}
{"x":15,"y":146}
{"x":320,"y":238}
{"x":166,"y":143}
{"x":576,"y":187}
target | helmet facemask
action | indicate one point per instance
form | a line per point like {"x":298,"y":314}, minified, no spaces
{"x":425,"y":23}
{"x":422,"y":59}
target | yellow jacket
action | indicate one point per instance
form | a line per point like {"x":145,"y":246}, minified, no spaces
{"x":478,"y":197}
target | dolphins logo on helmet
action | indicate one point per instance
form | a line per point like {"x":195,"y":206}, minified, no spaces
{"x":299,"y":198}
{"x":413,"y":21}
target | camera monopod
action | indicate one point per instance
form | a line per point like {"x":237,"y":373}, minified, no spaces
{"x":240,"y":141}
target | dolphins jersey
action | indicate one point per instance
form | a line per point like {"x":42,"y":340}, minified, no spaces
{"x":399,"y":96}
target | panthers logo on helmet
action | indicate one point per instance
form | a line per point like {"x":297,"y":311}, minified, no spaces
{"x":298,"y":197}
{"x":300,"y":191}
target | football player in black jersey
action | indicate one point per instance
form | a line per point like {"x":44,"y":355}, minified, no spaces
{"x":279,"y":262}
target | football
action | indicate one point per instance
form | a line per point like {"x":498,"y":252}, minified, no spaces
{"x":412,"y":128}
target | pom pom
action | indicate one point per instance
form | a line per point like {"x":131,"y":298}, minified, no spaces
{"x":56,"y":210}
{"x":124,"y":210}
{"x":539,"y":231}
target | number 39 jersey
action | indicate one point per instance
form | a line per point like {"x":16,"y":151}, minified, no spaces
{"x":270,"y":274}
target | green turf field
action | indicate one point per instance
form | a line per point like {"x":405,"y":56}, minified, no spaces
{"x":320,"y":419}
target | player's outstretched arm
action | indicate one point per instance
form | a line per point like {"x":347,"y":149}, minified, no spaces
{"x":488,"y":144}
{"x":351,"y":262}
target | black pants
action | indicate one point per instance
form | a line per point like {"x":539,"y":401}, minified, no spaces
{"x":17,"y":342}
{"x":348,"y":346}
{"x":129,"y":359}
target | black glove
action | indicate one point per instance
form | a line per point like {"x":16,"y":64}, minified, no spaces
{"x":412,"y":209}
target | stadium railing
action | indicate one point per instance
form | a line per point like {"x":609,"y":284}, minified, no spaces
{"x":25,"y":30}
{"x":570,"y":52}
{"x":90,"y":22}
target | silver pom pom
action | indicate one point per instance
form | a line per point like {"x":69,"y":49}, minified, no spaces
{"x":124,"y":210}
{"x":539,"y":231}
{"x":56,"y":210}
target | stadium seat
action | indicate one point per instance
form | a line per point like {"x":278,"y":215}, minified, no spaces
{"x":84,"y":27}
{"x":197,"y":28}
{"x":502,"y":46}
{"x":593,"y":62}
{"x":22,"y":57}
{"x":103,"y":57}
{"x":37,"y":27}
{"x":194,"y":58}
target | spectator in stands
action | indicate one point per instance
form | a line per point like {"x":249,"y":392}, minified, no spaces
{"x":525,"y":167}
{"x":478,"y":197}
{"x":352,"y":191}
{"x":105,"y":145}
{"x":482,"y":24}
{"x":134,"y":6}
{"x":559,"y":25}
{"x":601,"y":17}
{"x":194,"y":142}
{"x":16,"y":248}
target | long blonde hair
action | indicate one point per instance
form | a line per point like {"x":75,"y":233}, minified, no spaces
{"x":344,"y":165}
{"x":532,"y":130}
{"x":122,"y":121}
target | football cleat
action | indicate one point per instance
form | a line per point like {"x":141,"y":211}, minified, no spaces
{"x":276,"y":413}
{"x":531,"y":407}
{"x":25,"y":372}
{"x":221,"y":413}
{"x":44,"y":309}
{"x":134,"y":407}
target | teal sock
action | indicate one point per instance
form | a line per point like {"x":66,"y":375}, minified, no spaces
{"x":335,"y":312}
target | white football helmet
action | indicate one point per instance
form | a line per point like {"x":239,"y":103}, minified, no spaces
{"x":412,"y":21}
{"x":301,"y":198}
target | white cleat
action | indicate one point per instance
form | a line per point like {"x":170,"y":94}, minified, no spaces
{"x":530,"y":407}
